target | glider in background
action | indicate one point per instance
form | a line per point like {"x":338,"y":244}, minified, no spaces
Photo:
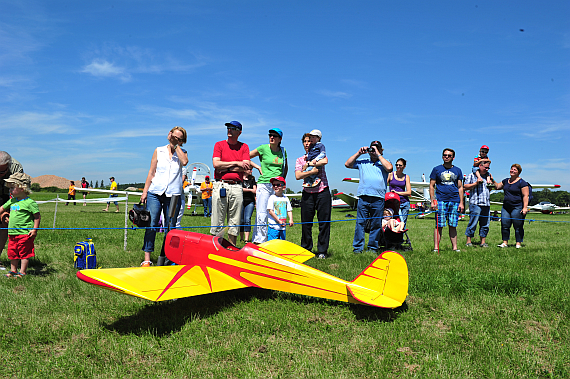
{"x":417,"y":196}
{"x":424,"y":195}
{"x":207,"y":264}
{"x":546,"y":207}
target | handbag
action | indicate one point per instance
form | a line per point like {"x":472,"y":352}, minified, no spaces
{"x":139,"y":215}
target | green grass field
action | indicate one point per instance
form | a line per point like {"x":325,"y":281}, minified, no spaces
{"x":481,"y":313}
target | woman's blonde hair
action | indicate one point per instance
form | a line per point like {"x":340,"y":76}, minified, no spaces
{"x":181,"y":129}
{"x":518,"y":167}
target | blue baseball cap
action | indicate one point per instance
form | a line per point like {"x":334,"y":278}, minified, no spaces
{"x":234,"y":124}
{"x":278,"y":131}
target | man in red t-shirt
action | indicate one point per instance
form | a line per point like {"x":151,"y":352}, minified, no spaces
{"x":230,"y":159}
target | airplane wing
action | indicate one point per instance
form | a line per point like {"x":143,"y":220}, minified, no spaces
{"x":161,"y":282}
{"x":544,"y":185}
{"x":171,"y":282}
{"x":351,"y":200}
{"x":426,"y":184}
{"x":419,"y":184}
{"x":413,"y":184}
{"x":286,"y":249}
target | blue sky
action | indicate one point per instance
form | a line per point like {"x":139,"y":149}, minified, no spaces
{"x":90,"y":88}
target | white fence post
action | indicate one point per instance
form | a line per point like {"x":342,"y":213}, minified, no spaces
{"x":55,"y":212}
{"x":126,"y":220}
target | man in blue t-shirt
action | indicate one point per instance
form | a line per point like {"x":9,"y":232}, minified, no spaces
{"x":447,"y":198}
{"x":373,"y":173}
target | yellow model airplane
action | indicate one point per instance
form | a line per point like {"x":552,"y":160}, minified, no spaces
{"x":207,"y":264}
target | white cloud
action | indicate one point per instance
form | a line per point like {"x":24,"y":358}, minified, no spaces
{"x":38,"y":123}
{"x":121,"y":62}
{"x":334,"y":94}
{"x":104,"y":68}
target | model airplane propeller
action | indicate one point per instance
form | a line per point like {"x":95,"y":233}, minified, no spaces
{"x":207,"y":264}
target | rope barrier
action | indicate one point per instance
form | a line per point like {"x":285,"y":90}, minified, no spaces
{"x":251,"y":225}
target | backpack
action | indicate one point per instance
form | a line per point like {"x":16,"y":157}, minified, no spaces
{"x":85,"y":256}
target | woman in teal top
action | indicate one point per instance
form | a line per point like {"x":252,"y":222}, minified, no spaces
{"x":273,"y":159}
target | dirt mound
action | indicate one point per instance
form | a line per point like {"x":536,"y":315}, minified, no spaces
{"x":52,"y":181}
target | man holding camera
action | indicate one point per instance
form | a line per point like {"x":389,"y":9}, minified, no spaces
{"x":230,"y":159}
{"x":373,"y":172}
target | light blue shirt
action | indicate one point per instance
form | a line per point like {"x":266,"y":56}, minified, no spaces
{"x":373,"y":178}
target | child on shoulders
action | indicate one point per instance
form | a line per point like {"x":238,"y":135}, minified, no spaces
{"x":316,"y":152}
{"x":23,"y":224}
{"x":278,"y":207}
{"x":482,"y":157}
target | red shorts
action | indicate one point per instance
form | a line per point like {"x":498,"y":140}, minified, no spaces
{"x":20,"y":247}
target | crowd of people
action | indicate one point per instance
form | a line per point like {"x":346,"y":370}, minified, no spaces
{"x":231,"y":197}
{"x":447,"y":192}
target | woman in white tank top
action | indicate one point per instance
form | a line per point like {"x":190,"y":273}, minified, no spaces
{"x":164,"y":180}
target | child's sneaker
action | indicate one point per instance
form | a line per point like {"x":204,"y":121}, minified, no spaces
{"x":316,"y":182}
{"x":146,"y":264}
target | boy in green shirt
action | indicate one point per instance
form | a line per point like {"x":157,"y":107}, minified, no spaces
{"x":23,"y":224}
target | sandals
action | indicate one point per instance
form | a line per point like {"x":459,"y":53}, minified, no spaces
{"x":13,"y":274}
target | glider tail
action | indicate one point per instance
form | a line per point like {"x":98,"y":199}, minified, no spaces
{"x":384,"y":283}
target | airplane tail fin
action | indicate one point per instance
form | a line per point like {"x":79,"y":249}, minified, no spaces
{"x":384,"y":283}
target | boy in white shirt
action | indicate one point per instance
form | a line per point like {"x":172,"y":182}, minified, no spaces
{"x":278,"y":207}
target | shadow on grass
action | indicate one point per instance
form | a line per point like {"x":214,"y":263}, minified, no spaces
{"x":377,"y":314}
{"x":35,"y":267}
{"x":39,"y":268}
{"x":164,"y":318}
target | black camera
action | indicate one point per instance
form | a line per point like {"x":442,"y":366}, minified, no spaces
{"x":371,"y":150}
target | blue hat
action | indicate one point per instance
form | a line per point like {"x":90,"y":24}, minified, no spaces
{"x":278,"y":131}
{"x":235,"y":124}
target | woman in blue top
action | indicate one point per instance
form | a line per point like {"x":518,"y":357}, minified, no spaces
{"x":273,"y":159}
{"x":515,"y":205}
